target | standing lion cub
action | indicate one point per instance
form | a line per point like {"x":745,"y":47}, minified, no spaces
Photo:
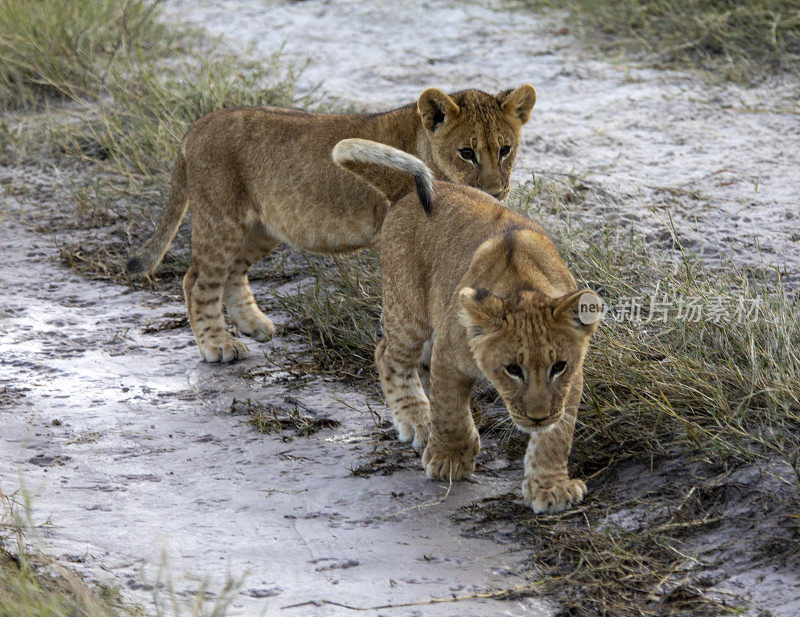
{"x":491,"y":289}
{"x":259,"y":176}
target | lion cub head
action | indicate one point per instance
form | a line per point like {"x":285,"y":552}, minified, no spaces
{"x":472,"y":137}
{"x":530,"y":347}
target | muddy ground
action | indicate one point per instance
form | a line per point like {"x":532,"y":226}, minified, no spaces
{"x":139,"y":455}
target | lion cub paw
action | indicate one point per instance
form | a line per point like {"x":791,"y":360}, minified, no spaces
{"x":555,"y":498}
{"x":227,"y":350}
{"x":449,"y":462}
{"x":416,"y":433}
{"x":261,"y":330}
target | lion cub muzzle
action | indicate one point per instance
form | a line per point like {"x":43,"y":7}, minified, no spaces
{"x":531,"y":423}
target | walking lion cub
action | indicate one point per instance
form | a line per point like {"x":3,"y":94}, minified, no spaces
{"x":259,"y":176}
{"x":491,"y":289}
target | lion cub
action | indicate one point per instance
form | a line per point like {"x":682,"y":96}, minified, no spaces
{"x":259,"y":176}
{"x":490,"y":288}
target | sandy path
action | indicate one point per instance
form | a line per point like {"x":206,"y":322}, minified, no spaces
{"x":724,"y":162}
{"x":127,"y":443}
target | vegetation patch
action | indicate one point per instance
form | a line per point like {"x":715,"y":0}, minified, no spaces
{"x":739,"y":37}
{"x":31,"y":585}
{"x":27,"y":590}
{"x":654,"y":537}
{"x":35,"y":585}
{"x":268,"y":418}
{"x":66,"y":50}
{"x":338,"y":314}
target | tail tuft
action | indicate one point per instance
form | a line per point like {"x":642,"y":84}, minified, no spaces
{"x":424,"y":194}
{"x":134,"y":266}
{"x":349,"y":153}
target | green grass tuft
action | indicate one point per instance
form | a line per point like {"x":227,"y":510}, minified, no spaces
{"x":35,"y":585}
{"x":740,"y":37}
{"x":31,"y":585}
{"x":725,"y":385}
{"x":65,"y":49}
{"x":338,"y":314}
{"x":152,"y":108}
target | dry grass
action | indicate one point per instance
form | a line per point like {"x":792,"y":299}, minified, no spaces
{"x":28,"y":591}
{"x":292,"y":417}
{"x":151,"y":107}
{"x":31,"y":585}
{"x":338,"y":315}
{"x":65,"y":50}
{"x":595,"y":567}
{"x":739,"y":38}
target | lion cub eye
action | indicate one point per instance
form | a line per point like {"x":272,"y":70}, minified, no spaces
{"x":468,"y":154}
{"x":557,"y":368}
{"x":515,"y":371}
{"x":504,"y":152}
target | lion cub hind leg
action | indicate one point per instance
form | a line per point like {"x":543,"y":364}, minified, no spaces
{"x":203,"y":286}
{"x":238,"y":298}
{"x":397,"y":369}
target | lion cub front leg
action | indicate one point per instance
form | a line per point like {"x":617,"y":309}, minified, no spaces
{"x":454,"y":442}
{"x":547,"y":486}
{"x":397,"y":369}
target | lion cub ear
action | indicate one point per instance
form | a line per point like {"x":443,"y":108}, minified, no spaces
{"x":435,"y":108}
{"x":518,"y":103}
{"x":480,"y":309}
{"x":582,"y":309}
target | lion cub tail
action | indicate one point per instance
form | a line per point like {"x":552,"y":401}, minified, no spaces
{"x":377,"y":164}
{"x":152,"y":252}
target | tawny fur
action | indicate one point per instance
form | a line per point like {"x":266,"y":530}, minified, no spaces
{"x":488,"y":286}
{"x":259,"y":176}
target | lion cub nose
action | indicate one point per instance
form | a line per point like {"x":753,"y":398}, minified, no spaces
{"x":498,"y":193}
{"x":538,"y":415}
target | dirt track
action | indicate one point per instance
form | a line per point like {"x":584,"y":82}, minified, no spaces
{"x":129,"y":445}
{"x":127,"y":439}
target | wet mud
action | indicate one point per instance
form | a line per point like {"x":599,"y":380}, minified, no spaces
{"x":138,"y":455}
